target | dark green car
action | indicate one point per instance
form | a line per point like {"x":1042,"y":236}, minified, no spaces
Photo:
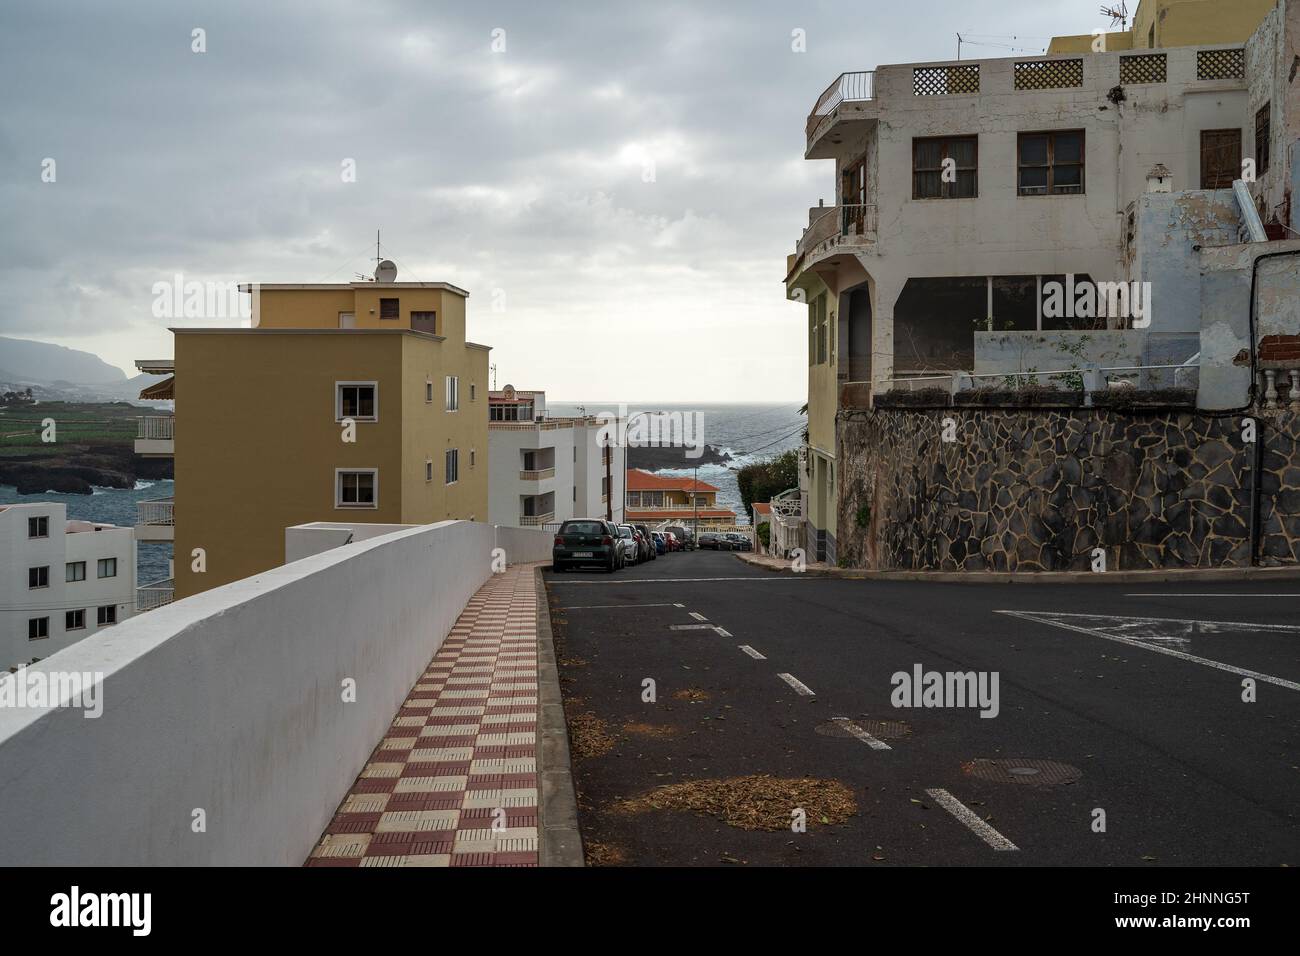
{"x":588,"y":541}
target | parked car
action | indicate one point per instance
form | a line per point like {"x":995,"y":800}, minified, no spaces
{"x":586,"y":541}
{"x":651,"y":553}
{"x":684,"y":535}
{"x":739,"y":542}
{"x":631,"y":549}
{"x":661,"y":543}
{"x":674,"y":544}
{"x":709,"y":540}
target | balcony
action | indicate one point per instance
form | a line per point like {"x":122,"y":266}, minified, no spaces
{"x":536,"y":521}
{"x":154,"y":594}
{"x":537,"y":474}
{"x":155,"y":436}
{"x":155,"y":520}
{"x":832,"y":230}
{"x":843,"y":100}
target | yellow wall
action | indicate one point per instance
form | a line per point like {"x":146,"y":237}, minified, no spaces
{"x":1179,"y":23}
{"x":319,"y":308}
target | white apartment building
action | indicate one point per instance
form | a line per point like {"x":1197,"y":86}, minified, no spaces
{"x":60,"y":580}
{"x":963,"y":188}
{"x":544,"y":470}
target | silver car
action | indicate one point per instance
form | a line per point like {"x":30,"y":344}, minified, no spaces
{"x":627,"y":541}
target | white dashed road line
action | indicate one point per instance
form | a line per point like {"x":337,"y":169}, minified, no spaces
{"x":861,"y":734}
{"x":799,"y":686}
{"x":691,"y":627}
{"x":597,"y":607}
{"x":969,"y":817}
{"x":752,"y":653}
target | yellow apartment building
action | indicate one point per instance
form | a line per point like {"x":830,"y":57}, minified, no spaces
{"x":1169,"y":23}
{"x":354,"y":401}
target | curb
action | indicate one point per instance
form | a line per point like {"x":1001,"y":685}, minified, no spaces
{"x":559,"y":840}
{"x":1038,"y":577}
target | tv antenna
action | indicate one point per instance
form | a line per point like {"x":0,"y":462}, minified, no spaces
{"x":1118,"y":13}
{"x":493,"y":369}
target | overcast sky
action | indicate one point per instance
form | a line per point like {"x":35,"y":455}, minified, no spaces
{"x":523,"y":170}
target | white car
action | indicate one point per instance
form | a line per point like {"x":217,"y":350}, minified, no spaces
{"x":627,"y":541}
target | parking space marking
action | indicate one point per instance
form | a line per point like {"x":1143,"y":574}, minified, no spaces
{"x":861,"y":734}
{"x":722,"y":632}
{"x":1157,"y":594}
{"x":698,"y":616}
{"x":799,"y":686}
{"x":690,"y":627}
{"x":969,"y":817}
{"x":752,"y":653}
{"x":599,"y":607}
{"x":1055,"y":621}
{"x":764,"y":578}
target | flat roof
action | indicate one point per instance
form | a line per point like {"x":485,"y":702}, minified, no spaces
{"x":335,"y":286}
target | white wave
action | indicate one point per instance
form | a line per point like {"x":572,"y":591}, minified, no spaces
{"x":141,"y":484}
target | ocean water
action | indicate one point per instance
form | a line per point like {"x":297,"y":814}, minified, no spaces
{"x":747,"y":431}
{"x":115,"y":506}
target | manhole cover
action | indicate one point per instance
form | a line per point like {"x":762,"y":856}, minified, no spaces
{"x":1031,"y":771}
{"x":880,"y":729}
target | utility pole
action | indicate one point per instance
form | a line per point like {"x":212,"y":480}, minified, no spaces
{"x":609,"y":482}
{"x":695,"y":502}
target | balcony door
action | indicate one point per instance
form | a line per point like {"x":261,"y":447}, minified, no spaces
{"x":853,"y":197}
{"x":1220,"y":158}
{"x":347,"y":320}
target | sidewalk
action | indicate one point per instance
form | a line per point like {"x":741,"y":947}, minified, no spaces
{"x":454,"y":781}
{"x":820,"y":569}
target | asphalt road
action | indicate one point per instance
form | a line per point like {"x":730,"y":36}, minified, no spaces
{"x":1136,"y":690}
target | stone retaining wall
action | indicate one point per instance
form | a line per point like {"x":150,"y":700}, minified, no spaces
{"x":1040,"y":489}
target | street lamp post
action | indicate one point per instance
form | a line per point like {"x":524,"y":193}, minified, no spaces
{"x":627,"y":444}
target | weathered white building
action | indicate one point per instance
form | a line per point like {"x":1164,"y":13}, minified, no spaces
{"x":544,"y":470}
{"x":60,"y":580}
{"x":965,"y":189}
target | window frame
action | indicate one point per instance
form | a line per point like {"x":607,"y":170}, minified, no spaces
{"x":428,"y":470}
{"x":944,"y":187}
{"x":36,"y":573}
{"x":106,"y":620}
{"x":397,"y":309}
{"x":42,"y":623}
{"x":340,"y":504}
{"x":338,"y":400}
{"x":68,"y":619}
{"x":451,"y":393}
{"x":1050,"y":189}
{"x":451,"y":466}
{"x":100,"y":565}
{"x":1234,"y":172}
{"x":67,"y":569}
{"x":1263,"y":138}
{"x":41,"y":523}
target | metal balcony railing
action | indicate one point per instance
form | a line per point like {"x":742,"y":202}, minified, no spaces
{"x":155,"y":427}
{"x":155,"y":594}
{"x":155,"y":511}
{"x":533,"y":521}
{"x":847,"y":87}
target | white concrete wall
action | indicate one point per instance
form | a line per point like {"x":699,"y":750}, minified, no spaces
{"x":505,"y":460}
{"x":230,"y":701}
{"x":18,"y":553}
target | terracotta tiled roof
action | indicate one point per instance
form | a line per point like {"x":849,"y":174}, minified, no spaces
{"x":661,"y":515}
{"x":763,"y":507}
{"x":638,"y":480}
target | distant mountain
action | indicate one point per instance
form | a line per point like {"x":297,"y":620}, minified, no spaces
{"x":56,"y":373}
{"x":43,"y":362}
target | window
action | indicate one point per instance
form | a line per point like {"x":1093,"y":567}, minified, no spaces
{"x":820,"y":328}
{"x":1220,"y":158}
{"x":428,"y":469}
{"x":107,"y":568}
{"x":473,"y":392}
{"x":1051,"y":164}
{"x":38,"y":577}
{"x":38,"y":628}
{"x":38,"y":527}
{"x":74,"y":620}
{"x":74,"y":571}
{"x":389,"y":309}
{"x":453,"y":465}
{"x":356,"y":488}
{"x":453,"y":393}
{"x":1262,"y":138}
{"x":106,"y":615}
{"x":428,"y":391}
{"x":931,"y":158}
{"x":473,"y":453}
{"x":424,"y":321}
{"x":358,"y":401}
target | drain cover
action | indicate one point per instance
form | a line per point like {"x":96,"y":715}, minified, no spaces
{"x":1031,"y":771}
{"x":880,"y":729}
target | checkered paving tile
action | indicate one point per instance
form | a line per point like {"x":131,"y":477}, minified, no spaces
{"x":453,"y":782}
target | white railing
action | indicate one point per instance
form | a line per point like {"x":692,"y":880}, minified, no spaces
{"x":1087,"y":378}
{"x":846,"y":88}
{"x":533,"y":521}
{"x":156,"y":511}
{"x":537,"y":474}
{"x":155,"y":594}
{"x":156,"y":428}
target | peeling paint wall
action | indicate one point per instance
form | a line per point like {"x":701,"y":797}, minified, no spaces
{"x":1038,"y":490}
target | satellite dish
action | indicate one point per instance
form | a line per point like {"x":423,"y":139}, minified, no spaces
{"x":386,"y":271}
